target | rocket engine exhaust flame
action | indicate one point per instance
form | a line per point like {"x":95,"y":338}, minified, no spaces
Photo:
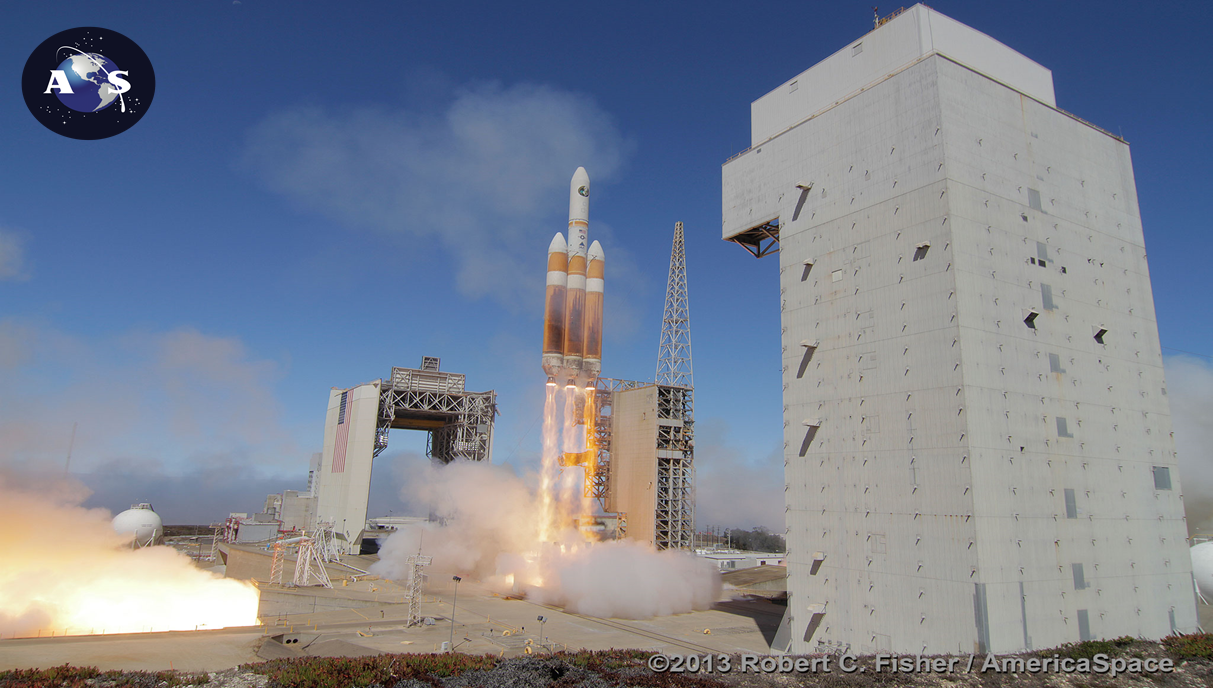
{"x":65,"y":571}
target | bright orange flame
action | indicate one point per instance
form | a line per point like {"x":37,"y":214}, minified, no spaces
{"x":549,"y":469}
{"x":591,"y":445}
{"x":64,"y":570}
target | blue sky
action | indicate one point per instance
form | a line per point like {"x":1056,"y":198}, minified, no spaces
{"x":319,"y":193}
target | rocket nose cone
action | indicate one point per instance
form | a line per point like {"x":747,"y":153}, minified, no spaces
{"x":596,"y":252}
{"x":558,"y":244}
{"x":580,"y":183}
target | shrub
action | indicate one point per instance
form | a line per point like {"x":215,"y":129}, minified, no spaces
{"x":1193,"y":646}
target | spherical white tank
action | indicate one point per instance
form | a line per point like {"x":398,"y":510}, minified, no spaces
{"x":1202,"y":569}
{"x":142,"y":523}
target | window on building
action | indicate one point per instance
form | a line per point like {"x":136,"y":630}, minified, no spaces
{"x":1046,"y":297}
{"x":856,"y":49}
{"x":1062,"y":429}
{"x":1029,"y":317}
{"x":1080,"y":581}
{"x":792,"y":87}
{"x":920,"y":251}
{"x":1042,"y":254}
{"x":836,"y":276}
{"x":1071,"y":504}
{"x":1162,"y":478}
{"x":1099,"y":334}
{"x":1084,"y":626}
{"x":1055,"y":364}
{"x":1034,"y":200}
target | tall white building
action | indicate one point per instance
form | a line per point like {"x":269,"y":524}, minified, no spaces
{"x":978,"y":443}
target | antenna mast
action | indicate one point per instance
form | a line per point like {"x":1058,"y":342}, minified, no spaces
{"x":674,"y":354}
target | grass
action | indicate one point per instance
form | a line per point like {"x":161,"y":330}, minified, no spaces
{"x":79,"y":677}
{"x":1087,"y":649}
{"x":342,"y":672}
{"x":1194,"y":646}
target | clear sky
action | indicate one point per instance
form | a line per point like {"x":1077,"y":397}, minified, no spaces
{"x":321,"y":191}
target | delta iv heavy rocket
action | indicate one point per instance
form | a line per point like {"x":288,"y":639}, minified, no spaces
{"x":572,"y":322}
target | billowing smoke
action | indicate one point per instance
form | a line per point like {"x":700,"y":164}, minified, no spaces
{"x":65,"y":570}
{"x":489,"y":528}
{"x":1190,"y":391}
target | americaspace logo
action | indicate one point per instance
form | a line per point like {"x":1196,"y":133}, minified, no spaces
{"x":88,"y":83}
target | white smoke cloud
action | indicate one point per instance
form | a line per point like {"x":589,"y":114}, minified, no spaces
{"x":490,"y":530}
{"x":1190,"y":391}
{"x":13,"y":266}
{"x":479,"y":177}
{"x":732,"y":489}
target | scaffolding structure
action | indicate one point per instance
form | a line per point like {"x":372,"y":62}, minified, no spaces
{"x":675,"y":524}
{"x":417,"y":563}
{"x":308,"y":565}
{"x":459,"y":423}
{"x":326,"y":543}
{"x":277,"y":561}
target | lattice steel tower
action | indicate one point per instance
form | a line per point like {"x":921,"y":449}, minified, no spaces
{"x":674,"y":354}
{"x":675,"y":524}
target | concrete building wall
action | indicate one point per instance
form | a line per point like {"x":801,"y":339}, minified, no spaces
{"x":634,"y":460}
{"x":926,"y":478}
{"x":915,"y":34}
{"x":1045,"y":219}
{"x":343,"y":485}
{"x":298,"y":510}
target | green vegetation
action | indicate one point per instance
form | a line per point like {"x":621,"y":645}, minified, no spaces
{"x":79,"y":677}
{"x":1194,"y":646}
{"x":758,"y":540}
{"x":342,"y":672}
{"x":1089,"y":648}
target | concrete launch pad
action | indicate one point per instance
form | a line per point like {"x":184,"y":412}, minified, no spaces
{"x":485,"y":623}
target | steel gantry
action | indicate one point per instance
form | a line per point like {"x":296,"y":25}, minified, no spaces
{"x":459,"y":423}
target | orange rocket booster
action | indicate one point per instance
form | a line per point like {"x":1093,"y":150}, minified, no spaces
{"x":554,"y":307}
{"x":592,"y":355}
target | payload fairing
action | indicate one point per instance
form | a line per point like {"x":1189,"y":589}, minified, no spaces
{"x":572,"y":323}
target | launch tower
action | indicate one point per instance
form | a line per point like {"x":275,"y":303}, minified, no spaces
{"x":645,"y":432}
{"x":977,"y":438}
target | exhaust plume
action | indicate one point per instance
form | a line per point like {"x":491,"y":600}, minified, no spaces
{"x":65,"y":571}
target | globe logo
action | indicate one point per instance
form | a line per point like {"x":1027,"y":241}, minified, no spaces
{"x":94,"y":82}
{"x":88,"y":83}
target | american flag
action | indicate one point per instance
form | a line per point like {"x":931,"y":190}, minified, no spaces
{"x":343,"y":435}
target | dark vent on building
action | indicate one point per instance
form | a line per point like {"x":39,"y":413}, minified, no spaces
{"x":1080,"y":581}
{"x":1034,"y":200}
{"x":1062,"y":429}
{"x":1055,"y":364}
{"x":1162,"y":478}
